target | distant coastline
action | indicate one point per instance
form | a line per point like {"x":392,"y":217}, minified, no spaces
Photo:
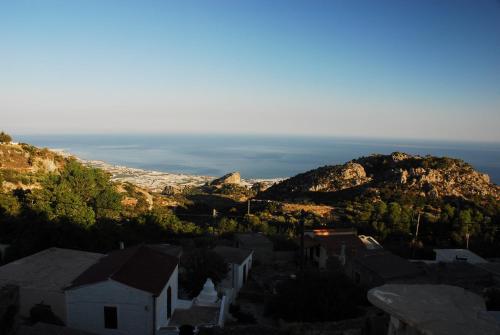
{"x":253,"y":156}
{"x":154,"y":181}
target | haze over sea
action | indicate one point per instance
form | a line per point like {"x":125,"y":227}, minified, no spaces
{"x":254,"y":156}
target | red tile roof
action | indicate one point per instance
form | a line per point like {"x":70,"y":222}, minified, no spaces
{"x":139,"y":267}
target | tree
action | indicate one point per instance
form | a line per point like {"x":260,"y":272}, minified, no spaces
{"x":197,"y":266}
{"x":5,"y":138}
{"x":78,"y":194}
{"x":226,"y":225}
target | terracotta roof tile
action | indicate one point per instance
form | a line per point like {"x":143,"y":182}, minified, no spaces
{"x":140,"y":267}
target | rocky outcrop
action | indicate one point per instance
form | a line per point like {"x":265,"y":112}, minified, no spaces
{"x":230,"y":178}
{"x":325,"y":179}
{"x":433,"y":177}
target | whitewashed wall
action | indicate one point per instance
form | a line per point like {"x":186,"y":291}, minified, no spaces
{"x":240,"y":274}
{"x":85,"y":308}
{"x":29,"y":297}
{"x":161,"y":300}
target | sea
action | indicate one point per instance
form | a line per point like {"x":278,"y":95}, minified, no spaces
{"x":255,"y":157}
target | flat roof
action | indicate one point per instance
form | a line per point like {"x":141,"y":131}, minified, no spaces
{"x":435,"y":309}
{"x":387,"y":265}
{"x":253,"y":238}
{"x":232,"y":255}
{"x":51,"y":269}
{"x":454,"y":255}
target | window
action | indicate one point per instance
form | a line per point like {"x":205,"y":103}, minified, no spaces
{"x":169,"y":302}
{"x":110,"y":317}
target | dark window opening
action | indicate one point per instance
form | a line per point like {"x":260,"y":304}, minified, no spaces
{"x":169,"y":302}
{"x":110,"y":317}
{"x":244,"y":274}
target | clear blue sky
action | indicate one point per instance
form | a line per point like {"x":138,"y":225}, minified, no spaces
{"x":404,"y":69}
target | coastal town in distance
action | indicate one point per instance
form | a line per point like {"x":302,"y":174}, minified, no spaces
{"x":255,"y":168}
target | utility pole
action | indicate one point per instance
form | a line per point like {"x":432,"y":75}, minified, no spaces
{"x":301,"y":247}
{"x":418,"y":226}
{"x":416,"y":236}
{"x":214,"y":217}
{"x":248,"y":207}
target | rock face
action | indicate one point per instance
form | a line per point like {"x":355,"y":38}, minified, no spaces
{"x":230,"y":178}
{"x":433,"y":177}
{"x":325,"y":179}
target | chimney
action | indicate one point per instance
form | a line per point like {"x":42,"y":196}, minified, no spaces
{"x":122,"y":245}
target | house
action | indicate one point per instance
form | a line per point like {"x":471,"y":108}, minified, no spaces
{"x":261,"y":245}
{"x":240,"y":263}
{"x":433,"y":309}
{"x":327,"y":244}
{"x":129,"y":291}
{"x":377,"y":268}
{"x":458,"y":255}
{"x":42,"y":277}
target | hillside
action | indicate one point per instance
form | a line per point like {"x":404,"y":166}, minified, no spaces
{"x":24,"y":166}
{"x":429,"y":177}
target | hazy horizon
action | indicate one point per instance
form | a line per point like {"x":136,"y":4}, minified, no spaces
{"x":385,"y":69}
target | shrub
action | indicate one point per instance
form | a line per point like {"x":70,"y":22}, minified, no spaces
{"x":5,"y":138}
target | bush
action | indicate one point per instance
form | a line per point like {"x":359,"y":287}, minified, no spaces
{"x":5,"y":138}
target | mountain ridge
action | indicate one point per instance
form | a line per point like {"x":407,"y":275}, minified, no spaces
{"x":428,"y":176}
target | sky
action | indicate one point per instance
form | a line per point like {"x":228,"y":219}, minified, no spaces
{"x":425,"y":69}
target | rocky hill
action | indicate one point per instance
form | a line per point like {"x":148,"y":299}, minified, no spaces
{"x":432,"y":177}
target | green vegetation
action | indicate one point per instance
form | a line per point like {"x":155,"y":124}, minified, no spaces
{"x":5,"y":138}
{"x":78,"y":207}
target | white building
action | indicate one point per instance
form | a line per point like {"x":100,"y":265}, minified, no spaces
{"x":240,"y":263}
{"x":42,"y":277}
{"x":128,"y":292}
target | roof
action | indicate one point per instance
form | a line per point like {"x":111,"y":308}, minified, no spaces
{"x":52,"y":269}
{"x":333,"y":244}
{"x":168,"y":249}
{"x":370,"y":242}
{"x":139,"y":267}
{"x":434,"y":309}
{"x":329,"y":231}
{"x":388,"y":265}
{"x":232,"y":255}
{"x":454,"y":255}
{"x":253,"y":239}
{"x":493,"y":268}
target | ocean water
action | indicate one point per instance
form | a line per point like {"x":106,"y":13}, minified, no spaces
{"x":253,"y":156}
